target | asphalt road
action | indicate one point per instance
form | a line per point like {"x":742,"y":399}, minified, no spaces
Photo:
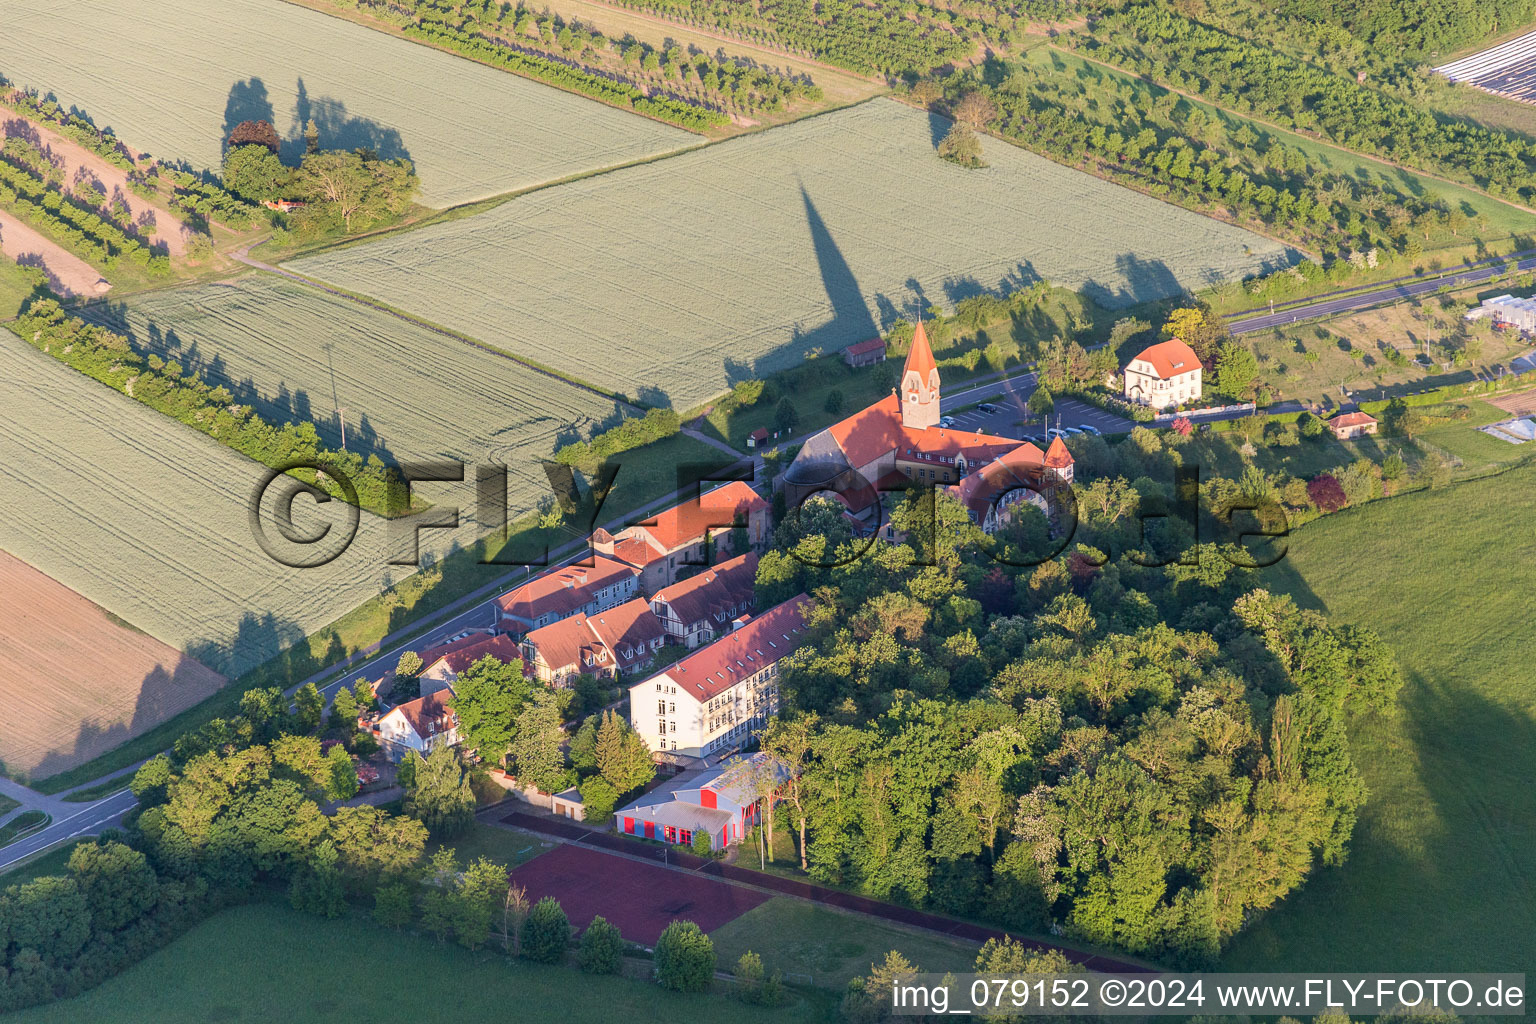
{"x":90,"y":819}
{"x":1403,"y":289}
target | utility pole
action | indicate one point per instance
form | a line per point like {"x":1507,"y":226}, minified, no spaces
{"x":341,"y":412}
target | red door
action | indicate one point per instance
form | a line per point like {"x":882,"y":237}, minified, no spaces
{"x":650,"y":830}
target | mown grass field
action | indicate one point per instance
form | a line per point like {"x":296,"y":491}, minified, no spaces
{"x":176,"y":82}
{"x":265,"y":962}
{"x":672,"y":280}
{"x":402,"y":391}
{"x":1440,"y":873}
{"x":815,"y":945}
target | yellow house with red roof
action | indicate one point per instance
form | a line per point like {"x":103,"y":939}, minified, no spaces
{"x":1164,"y":375}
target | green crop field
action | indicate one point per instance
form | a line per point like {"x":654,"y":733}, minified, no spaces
{"x":671,"y":280}
{"x":149,"y":520}
{"x":266,"y":962}
{"x":1440,"y":871}
{"x":174,"y":78}
{"x":404,"y":392}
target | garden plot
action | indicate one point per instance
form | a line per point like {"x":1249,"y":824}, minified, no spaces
{"x":670,"y":280}
{"x":403,"y":392}
{"x":149,"y":520}
{"x":175,"y":78}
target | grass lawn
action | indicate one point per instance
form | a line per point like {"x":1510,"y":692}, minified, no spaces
{"x":265,"y":962}
{"x":501,"y":845}
{"x":818,"y":945}
{"x":1441,"y":868}
{"x":14,"y":289}
{"x":7,"y":805}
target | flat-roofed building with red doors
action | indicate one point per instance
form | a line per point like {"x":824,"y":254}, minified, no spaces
{"x":724,"y":801}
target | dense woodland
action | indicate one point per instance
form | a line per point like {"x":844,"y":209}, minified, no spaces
{"x":1147,"y":755}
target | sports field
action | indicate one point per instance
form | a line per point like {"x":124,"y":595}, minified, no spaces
{"x":672,"y":280}
{"x":1441,"y":868}
{"x":641,"y":899}
{"x":150,"y":520}
{"x":265,"y":962}
{"x":403,"y":392}
{"x":175,"y":83}
{"x":76,"y":683}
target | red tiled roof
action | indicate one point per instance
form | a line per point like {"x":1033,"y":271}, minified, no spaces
{"x":919,"y":356}
{"x":563,"y":644}
{"x":760,"y":434}
{"x":423,"y":713}
{"x":628,"y":630}
{"x":744,"y":652}
{"x":863,"y":347}
{"x":562,"y":591}
{"x":869,"y":433}
{"x":460,"y":654}
{"x":683,"y":524}
{"x":1057,"y":456}
{"x":1352,"y":419}
{"x":1170,"y":358}
{"x":723,"y":589}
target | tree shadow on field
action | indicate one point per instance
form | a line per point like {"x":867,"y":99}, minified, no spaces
{"x":338,"y":129}
{"x":247,"y":101}
{"x":179,"y":683}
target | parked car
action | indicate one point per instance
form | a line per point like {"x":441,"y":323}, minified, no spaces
{"x":986,"y":407}
{"x":1054,"y":433}
{"x":1074,"y":430}
{"x":946,"y":421}
{"x":1091,"y":430}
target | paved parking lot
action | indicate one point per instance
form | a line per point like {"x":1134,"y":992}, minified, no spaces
{"x":1011,"y":418}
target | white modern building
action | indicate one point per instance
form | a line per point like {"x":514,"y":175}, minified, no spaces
{"x":720,"y":695}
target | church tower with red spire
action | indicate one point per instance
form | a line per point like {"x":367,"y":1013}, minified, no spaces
{"x":920,"y":384}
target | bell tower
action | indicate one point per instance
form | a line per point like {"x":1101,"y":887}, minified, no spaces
{"x":920,"y":384}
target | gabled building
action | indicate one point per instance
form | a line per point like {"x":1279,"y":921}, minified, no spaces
{"x":696,"y":610}
{"x":897,"y":441}
{"x":561,"y":593}
{"x":608,"y":644}
{"x":1164,"y":375}
{"x":657,"y":549}
{"x":865,"y":353}
{"x":722,"y":694}
{"x":724,"y":802}
{"x":1352,"y":424}
{"x":422,"y":725}
{"x":443,"y":663}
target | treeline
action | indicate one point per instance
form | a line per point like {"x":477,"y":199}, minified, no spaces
{"x":1420,"y":28}
{"x":86,"y":233}
{"x":1253,"y":78}
{"x":635,"y":432}
{"x":110,"y":358}
{"x":208,"y":200}
{"x":882,"y":36}
{"x":1144,"y":756}
{"x":1158,"y":143}
{"x":73,"y":126}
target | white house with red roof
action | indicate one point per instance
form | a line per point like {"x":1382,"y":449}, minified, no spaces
{"x":608,"y":644}
{"x":696,"y":610}
{"x":898,"y":440}
{"x":444,"y":662}
{"x":1164,"y":375}
{"x":561,"y":593}
{"x":422,"y":725}
{"x":659,"y":547}
{"x":720,"y":695}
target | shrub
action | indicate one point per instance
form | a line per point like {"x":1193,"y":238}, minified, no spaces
{"x":1326,"y":492}
{"x":598,"y":798}
{"x":602,"y":948}
{"x":546,"y":932}
{"x":685,"y":958}
{"x":701,"y":843}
